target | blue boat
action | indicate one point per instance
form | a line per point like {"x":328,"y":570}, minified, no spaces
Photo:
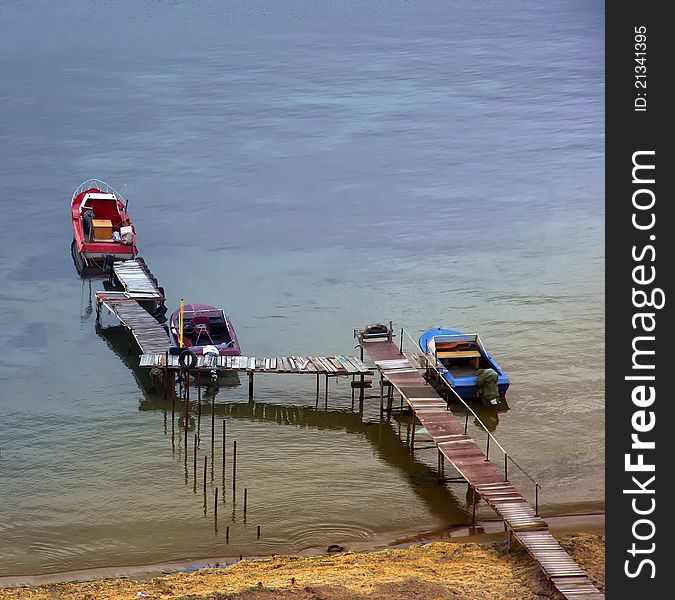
{"x":460,"y":357}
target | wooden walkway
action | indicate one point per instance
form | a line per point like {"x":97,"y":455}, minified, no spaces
{"x":309,"y":365}
{"x":488,"y":481}
{"x":135,"y":279}
{"x":150,"y":336}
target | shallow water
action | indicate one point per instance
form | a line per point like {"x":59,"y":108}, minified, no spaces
{"x":311,"y":168}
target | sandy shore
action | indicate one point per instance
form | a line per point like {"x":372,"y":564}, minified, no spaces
{"x":440,"y":569}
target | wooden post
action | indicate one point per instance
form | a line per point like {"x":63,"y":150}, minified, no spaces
{"x":466,"y":422}
{"x":245,"y":500}
{"x":258,"y":532}
{"x":215,"y":507}
{"x":487,"y":448}
{"x":473,"y":503}
{"x":173,"y":395}
{"x":381,"y":395}
{"x":213,"y":424}
{"x":412,"y":433}
{"x":234,"y":467}
{"x":224,"y":448}
{"x":166,"y":375}
{"x":194,"y":465}
{"x":326,"y":394}
{"x":206,"y":458}
{"x":187,"y":410}
{"x":250,"y":386}
{"x":318,"y":384}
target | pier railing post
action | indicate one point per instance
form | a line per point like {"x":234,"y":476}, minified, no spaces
{"x":487,"y":448}
{"x":506,"y":466}
{"x":400,"y":350}
{"x":536,"y":499}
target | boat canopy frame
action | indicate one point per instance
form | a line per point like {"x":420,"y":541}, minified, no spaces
{"x":101,"y":186}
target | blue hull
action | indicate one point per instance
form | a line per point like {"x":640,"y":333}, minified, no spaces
{"x":464,"y":385}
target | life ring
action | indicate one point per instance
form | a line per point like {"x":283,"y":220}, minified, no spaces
{"x":187,"y":360}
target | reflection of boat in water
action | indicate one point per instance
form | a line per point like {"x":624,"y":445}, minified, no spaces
{"x":117,"y":338}
{"x":465,"y":364}
{"x":204,"y":326}
{"x":102,"y":229}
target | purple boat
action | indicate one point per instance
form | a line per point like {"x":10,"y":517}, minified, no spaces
{"x":204,"y":326}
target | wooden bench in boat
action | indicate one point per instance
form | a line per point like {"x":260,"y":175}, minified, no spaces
{"x":474,"y":354}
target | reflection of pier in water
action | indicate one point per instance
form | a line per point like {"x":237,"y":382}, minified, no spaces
{"x":388,"y":436}
{"x":388,"y":442}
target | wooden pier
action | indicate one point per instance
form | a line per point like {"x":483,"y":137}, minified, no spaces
{"x":136,"y":280}
{"x":487,"y":480}
{"x":309,"y":365}
{"x":150,"y":336}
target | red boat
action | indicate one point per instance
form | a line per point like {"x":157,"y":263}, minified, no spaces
{"x":102,"y":229}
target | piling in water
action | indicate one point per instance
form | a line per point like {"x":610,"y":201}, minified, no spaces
{"x":224,"y":453}
{"x":206,"y":459}
{"x":166,"y":375}
{"x":245,"y":500}
{"x":258,"y":532}
{"x":194,"y":464}
{"x":173,"y":395}
{"x":234,"y":467}
{"x":213,"y":422}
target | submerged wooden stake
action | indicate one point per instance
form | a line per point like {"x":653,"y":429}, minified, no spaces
{"x":194,"y":465}
{"x":173,"y":395}
{"x":206,"y":458}
{"x":213,"y":421}
{"x":166,"y":374}
{"x":224,"y":454}
{"x":258,"y":532}
{"x":245,"y":499}
{"x":234,"y":467}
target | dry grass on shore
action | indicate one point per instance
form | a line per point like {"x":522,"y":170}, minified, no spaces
{"x":438,"y":570}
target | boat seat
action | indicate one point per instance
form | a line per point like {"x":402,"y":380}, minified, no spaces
{"x":472,"y":354}
{"x":202,"y":326}
{"x":459,"y":354}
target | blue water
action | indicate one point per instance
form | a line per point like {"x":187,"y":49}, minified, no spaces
{"x":310,"y":167}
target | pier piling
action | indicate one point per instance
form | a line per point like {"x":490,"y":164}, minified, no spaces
{"x":234,"y":467}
